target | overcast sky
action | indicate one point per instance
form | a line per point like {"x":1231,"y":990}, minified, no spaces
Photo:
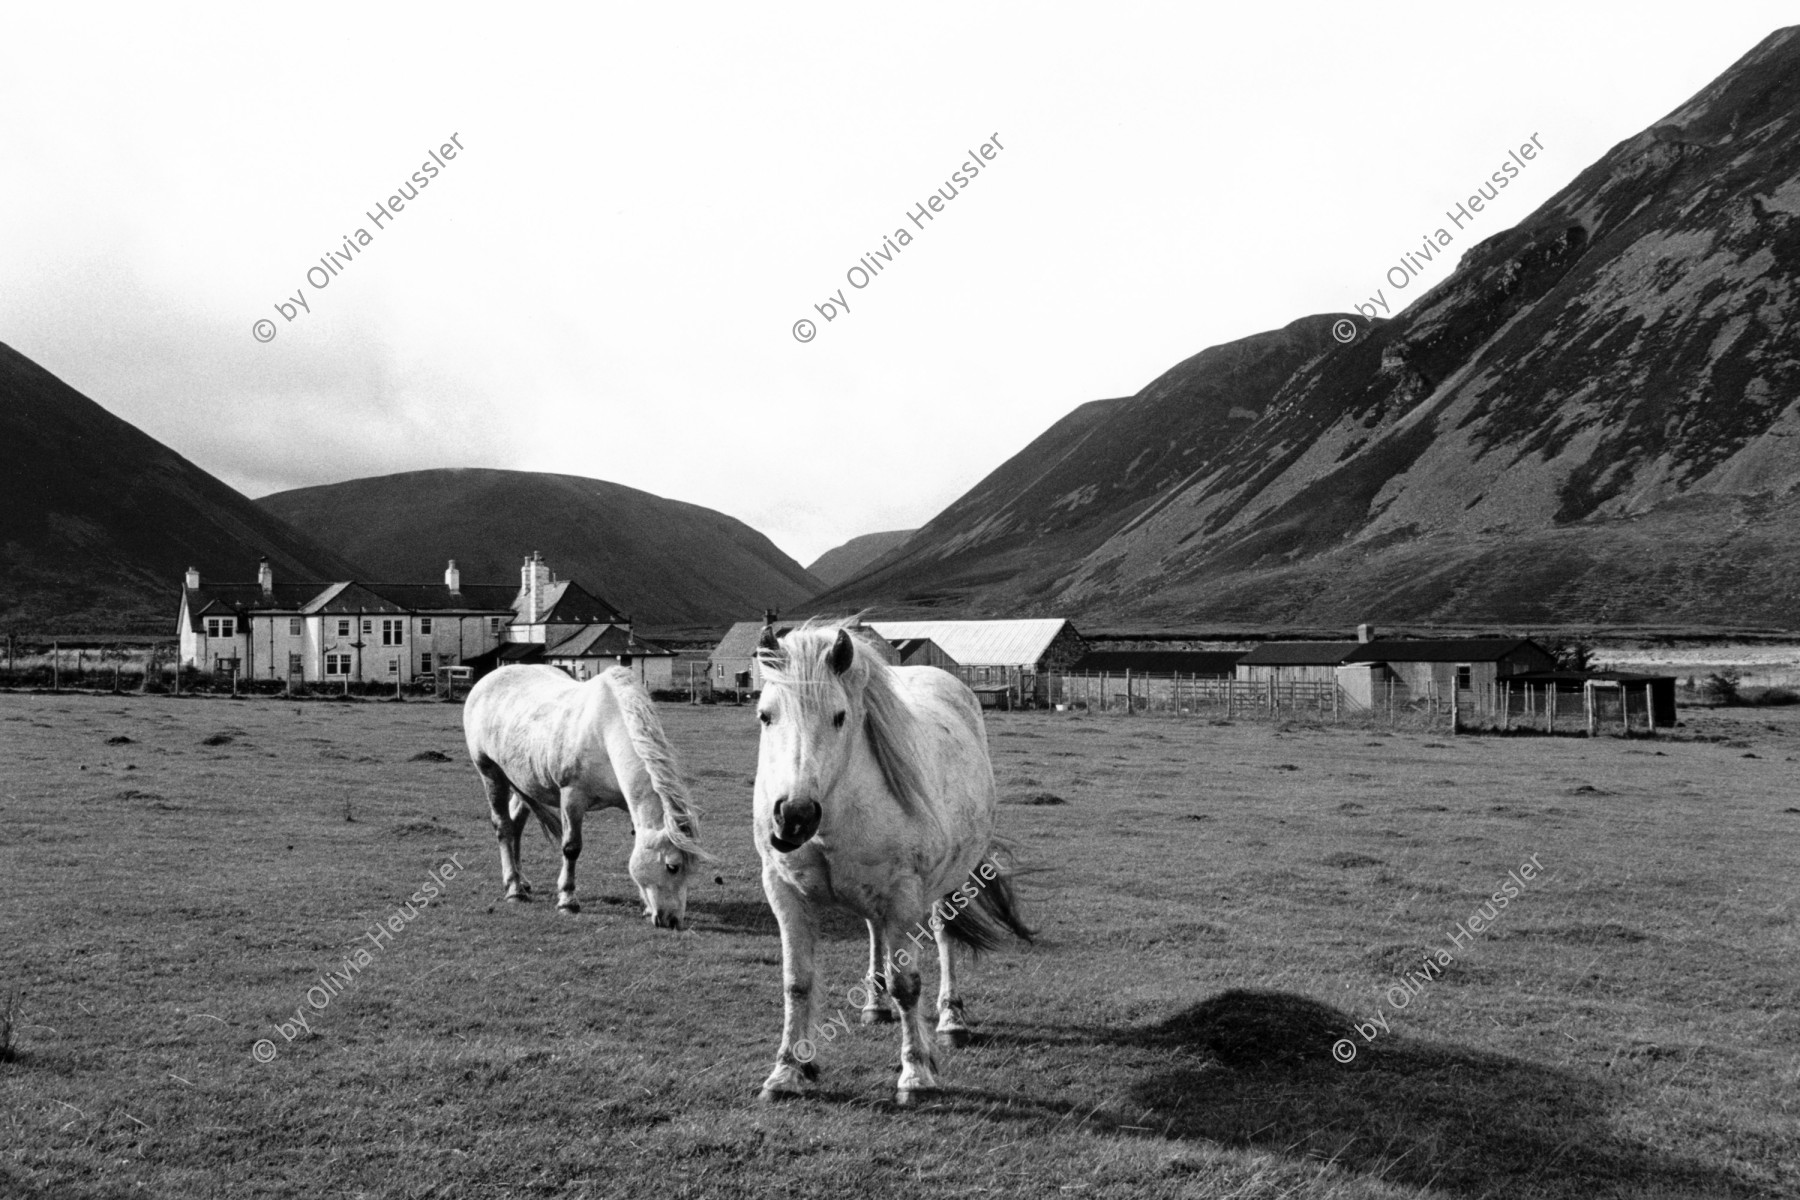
{"x":605,"y":280}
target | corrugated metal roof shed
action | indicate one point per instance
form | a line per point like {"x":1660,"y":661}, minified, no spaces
{"x":980,"y":643}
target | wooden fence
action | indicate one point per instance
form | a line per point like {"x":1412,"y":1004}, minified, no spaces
{"x":1596,"y":708}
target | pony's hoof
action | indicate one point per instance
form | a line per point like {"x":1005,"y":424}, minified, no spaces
{"x":568,"y":906}
{"x":955,"y":1038}
{"x":518,"y":898}
{"x":777,"y":1095}
{"x":912,"y":1097}
{"x":878,"y":1016}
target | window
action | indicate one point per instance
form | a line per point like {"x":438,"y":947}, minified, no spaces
{"x":293,"y":626}
{"x":368,"y":625}
{"x":1464,"y":678}
{"x":424,"y":664}
{"x":424,"y":625}
{"x":494,"y":625}
{"x":221,"y":627}
{"x":344,"y":627}
{"x":393,"y":631}
{"x":337,"y":664}
{"x":294,"y":665}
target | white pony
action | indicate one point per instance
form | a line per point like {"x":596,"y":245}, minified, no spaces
{"x":559,"y":748}
{"x":874,"y":793}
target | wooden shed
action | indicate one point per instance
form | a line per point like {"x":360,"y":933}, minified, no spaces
{"x":1295,"y":662}
{"x":1467,"y":671}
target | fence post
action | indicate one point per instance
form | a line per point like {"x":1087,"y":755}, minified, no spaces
{"x":55,"y":668}
{"x":118,"y":671}
{"x":1230,"y":695}
{"x":1649,"y":709}
{"x":1550,"y":708}
{"x":1130,"y":703}
{"x":1455,"y":710}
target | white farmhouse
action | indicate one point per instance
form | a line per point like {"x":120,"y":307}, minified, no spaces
{"x":387,"y":632}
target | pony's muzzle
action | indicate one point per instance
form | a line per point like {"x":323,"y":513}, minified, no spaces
{"x":795,"y":822}
{"x":665,"y":920}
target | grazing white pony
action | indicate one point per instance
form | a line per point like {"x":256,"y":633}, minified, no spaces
{"x":558,"y":748}
{"x":874,"y":793}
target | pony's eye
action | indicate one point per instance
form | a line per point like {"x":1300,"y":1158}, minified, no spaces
{"x":766,"y":717}
{"x":838,"y":721}
{"x":673,"y":868}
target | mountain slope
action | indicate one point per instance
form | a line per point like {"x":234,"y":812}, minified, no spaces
{"x":98,"y":520}
{"x":855,"y":556}
{"x":661,"y":561}
{"x":1596,"y":417}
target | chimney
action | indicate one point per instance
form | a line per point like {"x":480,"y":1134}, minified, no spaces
{"x":265,"y":576}
{"x":453,"y":577}
{"x":534,"y":581}
{"x":193,"y":578}
{"x":1365,"y":633}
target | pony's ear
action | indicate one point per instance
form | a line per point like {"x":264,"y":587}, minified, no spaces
{"x":768,"y":643}
{"x":842,"y":653}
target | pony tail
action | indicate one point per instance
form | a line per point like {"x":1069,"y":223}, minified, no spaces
{"x":681,"y":819}
{"x":987,"y":921}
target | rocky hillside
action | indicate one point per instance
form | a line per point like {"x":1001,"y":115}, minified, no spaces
{"x":856,"y":556}
{"x":661,"y":561}
{"x":1595,"y":418}
{"x":98,"y":520}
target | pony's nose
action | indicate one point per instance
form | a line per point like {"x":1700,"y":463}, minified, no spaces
{"x":795,"y":822}
{"x":666,"y":920}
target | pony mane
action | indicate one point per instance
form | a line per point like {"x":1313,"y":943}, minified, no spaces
{"x":894,"y":732}
{"x":681,"y":817}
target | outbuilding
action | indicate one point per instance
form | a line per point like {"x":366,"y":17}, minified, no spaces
{"x":1468,"y":671}
{"x":1027,"y":658}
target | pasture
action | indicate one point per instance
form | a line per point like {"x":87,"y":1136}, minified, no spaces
{"x":1219,"y":907}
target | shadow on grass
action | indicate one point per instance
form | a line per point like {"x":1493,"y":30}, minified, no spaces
{"x":1255,"y":1070}
{"x":755,"y":917}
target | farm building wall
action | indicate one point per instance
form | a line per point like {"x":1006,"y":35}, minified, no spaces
{"x":1288,"y":672}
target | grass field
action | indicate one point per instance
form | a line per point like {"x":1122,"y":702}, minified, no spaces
{"x":1220,"y":907}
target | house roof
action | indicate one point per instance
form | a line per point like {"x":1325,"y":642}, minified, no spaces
{"x":343,"y":598}
{"x":981,"y":643}
{"x":1440,"y":650}
{"x":1158,"y":662}
{"x":739,"y":642}
{"x":606,"y":641}
{"x":910,"y":646}
{"x":566,"y":602}
{"x":1299,"y":654}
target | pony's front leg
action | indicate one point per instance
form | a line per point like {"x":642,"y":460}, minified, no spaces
{"x":876,"y":1008}
{"x":917,"y":1062}
{"x":794,"y":1060}
{"x":574,"y":805}
{"x":951,"y":1027}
